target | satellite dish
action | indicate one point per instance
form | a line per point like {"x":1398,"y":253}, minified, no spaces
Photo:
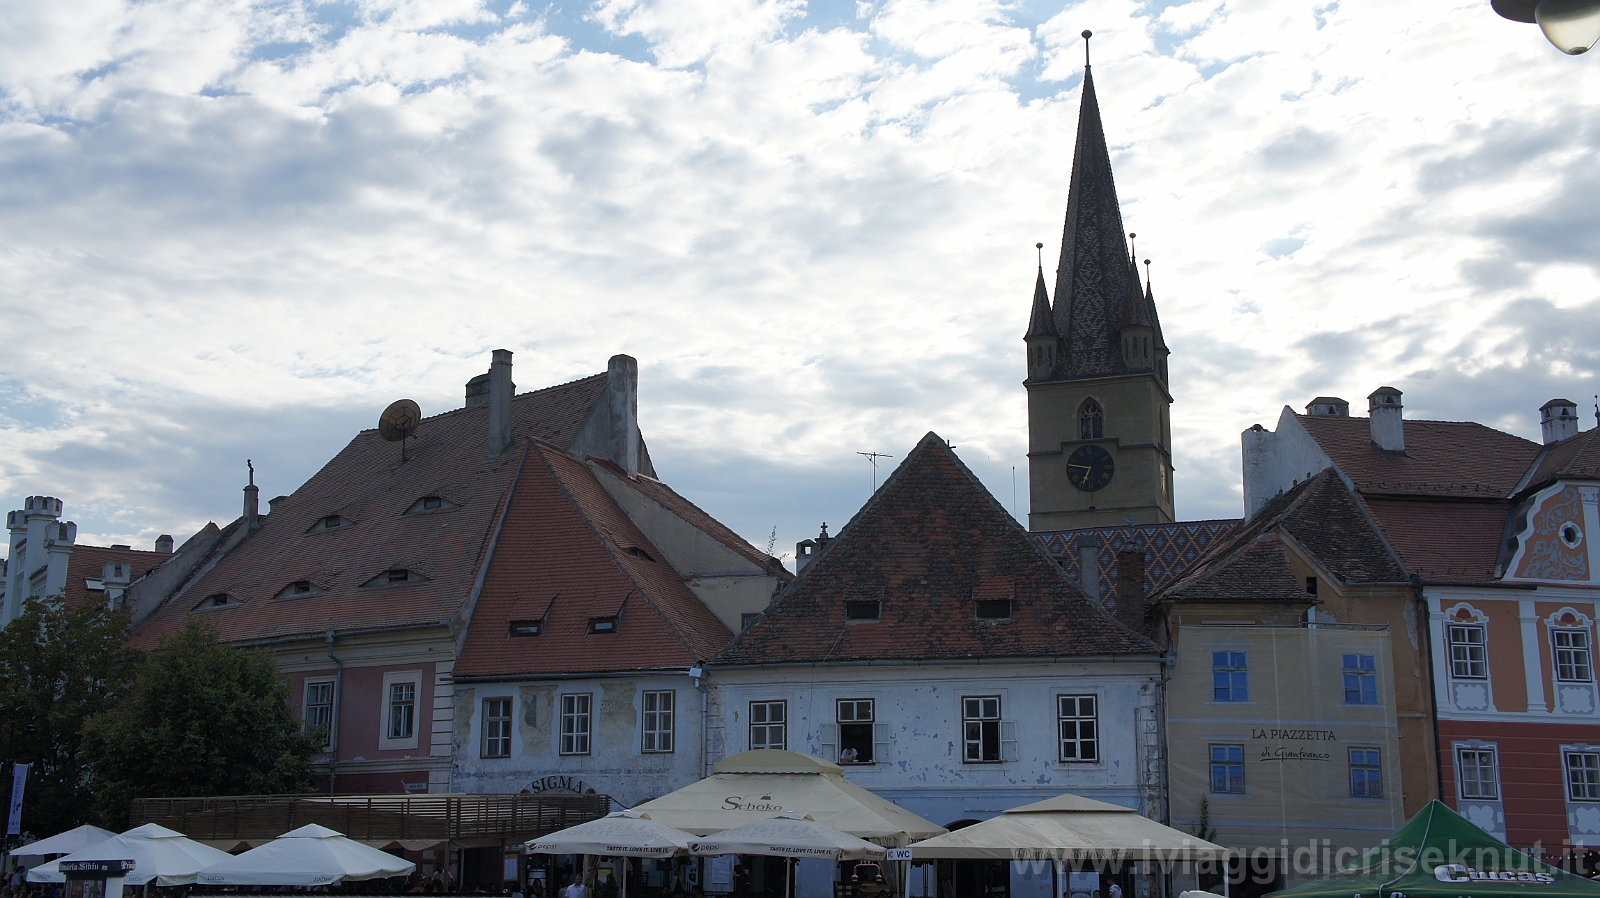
{"x":399,"y":421}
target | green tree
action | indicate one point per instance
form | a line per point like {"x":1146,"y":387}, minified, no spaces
{"x":58,"y":667}
{"x":203,"y":718}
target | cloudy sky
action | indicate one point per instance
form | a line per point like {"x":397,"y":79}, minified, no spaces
{"x":235,"y":229}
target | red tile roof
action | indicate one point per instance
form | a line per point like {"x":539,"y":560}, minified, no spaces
{"x":1575,"y":458}
{"x":927,"y":545}
{"x":569,"y":554}
{"x":1443,"y":541}
{"x":368,"y":484}
{"x":1443,"y":458}
{"x":88,"y":563}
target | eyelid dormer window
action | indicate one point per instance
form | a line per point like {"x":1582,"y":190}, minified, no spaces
{"x":330,"y":522}
{"x":299,"y":588}
{"x":396,"y":577}
{"x":431,"y":503}
{"x":216,"y":600}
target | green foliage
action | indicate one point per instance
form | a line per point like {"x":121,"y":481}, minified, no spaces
{"x":57,"y":669}
{"x":1203,"y":828}
{"x":204,"y":718}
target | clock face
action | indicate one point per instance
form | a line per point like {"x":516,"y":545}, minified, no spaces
{"x":1089,"y":468}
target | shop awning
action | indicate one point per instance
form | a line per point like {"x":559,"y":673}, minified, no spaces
{"x":1438,"y":854}
{"x":1070,"y":828}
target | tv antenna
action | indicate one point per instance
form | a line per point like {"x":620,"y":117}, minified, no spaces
{"x":873,"y":458}
{"x":398,"y":422}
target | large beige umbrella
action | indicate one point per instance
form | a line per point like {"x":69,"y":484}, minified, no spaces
{"x":755,"y":785}
{"x":160,"y":855}
{"x":788,"y":836}
{"x":618,"y":834}
{"x":312,"y":855}
{"x":1069,"y":828}
{"x":65,"y":843}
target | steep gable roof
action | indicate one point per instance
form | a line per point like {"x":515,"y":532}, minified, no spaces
{"x":927,"y":546}
{"x":368,"y":486}
{"x":1461,"y":459}
{"x":1574,"y":458}
{"x":569,"y":554}
{"x":1442,"y":540}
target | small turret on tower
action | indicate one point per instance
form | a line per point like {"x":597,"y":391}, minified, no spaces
{"x":1044,"y":345}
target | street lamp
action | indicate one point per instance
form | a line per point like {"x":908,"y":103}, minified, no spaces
{"x":1572,"y":25}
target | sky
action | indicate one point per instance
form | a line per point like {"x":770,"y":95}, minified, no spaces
{"x":234,"y":229}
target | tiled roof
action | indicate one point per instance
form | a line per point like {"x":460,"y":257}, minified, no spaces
{"x":668,"y":498}
{"x":1040,"y":322}
{"x":1444,"y":541}
{"x":369,"y":486}
{"x":1169,"y":550}
{"x":1443,"y":458}
{"x":1251,"y":563}
{"x":88,"y":563}
{"x":1575,"y":458}
{"x":927,"y":545}
{"x":569,"y":554}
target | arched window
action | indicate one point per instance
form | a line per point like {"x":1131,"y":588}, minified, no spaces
{"x":1091,"y":421}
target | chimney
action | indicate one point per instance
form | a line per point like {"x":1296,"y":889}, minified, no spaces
{"x":164,"y":543}
{"x":252,"y":499}
{"x":1328,"y":407}
{"x":1130,"y":589}
{"x":622,"y":389}
{"x":115,"y":577}
{"x":1558,"y":418}
{"x":804,"y":551}
{"x":1388,"y":428}
{"x":478,"y":391}
{"x":500,"y":389}
{"x":1089,"y":565}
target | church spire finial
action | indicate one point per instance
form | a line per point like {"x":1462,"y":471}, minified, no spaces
{"x":1148,"y":288}
{"x":1086,"y":35}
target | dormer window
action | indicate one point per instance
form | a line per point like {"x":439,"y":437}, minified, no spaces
{"x":637,"y":552}
{"x":430,"y":503}
{"x":527,"y":628}
{"x":216,"y":600}
{"x":993,"y":609}
{"x":330,"y":522}
{"x":298,"y":588}
{"x":603,"y":624}
{"x":396,"y":577}
{"x":1091,"y":421}
{"x":863,"y":610}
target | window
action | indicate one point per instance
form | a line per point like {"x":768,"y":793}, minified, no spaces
{"x":747,"y":619}
{"x":1227,"y":769}
{"x":1091,"y":421}
{"x":980,"y":724}
{"x":1366,"y":773}
{"x":330,"y":522}
{"x":640,"y":554}
{"x":299,"y":588}
{"x":856,"y":717}
{"x":768,"y":725}
{"x":319,"y":708}
{"x":430,"y":503}
{"x":866,"y":610}
{"x":1572,"y":656}
{"x":1467,"y":659}
{"x":1229,"y":679}
{"x":1478,"y":776}
{"x":527,"y":627}
{"x":1583,"y":775}
{"x":993,"y":609}
{"x":575,"y":724}
{"x":402,"y":710}
{"x":1360,"y":680}
{"x":602,"y":625}
{"x":1311,"y":586}
{"x":658,"y":722}
{"x":496,"y":728}
{"x":395,"y":577}
{"x":1080,"y":737}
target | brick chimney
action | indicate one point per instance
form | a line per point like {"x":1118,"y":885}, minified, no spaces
{"x":1130,"y":589}
{"x":1558,"y":418}
{"x":1388,"y":427}
{"x":500,"y":390}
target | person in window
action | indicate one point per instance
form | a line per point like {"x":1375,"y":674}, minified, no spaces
{"x":848,"y":756}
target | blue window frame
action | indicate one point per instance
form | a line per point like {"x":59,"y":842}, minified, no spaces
{"x":1229,"y":679}
{"x":1366,"y":773}
{"x":1227,"y":769}
{"x":1360,"y":680}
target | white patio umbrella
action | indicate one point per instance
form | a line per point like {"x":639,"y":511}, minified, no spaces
{"x":65,"y":843}
{"x":618,"y":834}
{"x":788,"y":836}
{"x":160,"y":855}
{"x":309,"y":856}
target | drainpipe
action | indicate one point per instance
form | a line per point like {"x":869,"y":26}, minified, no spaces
{"x":338,"y":707}
{"x":696,"y":673}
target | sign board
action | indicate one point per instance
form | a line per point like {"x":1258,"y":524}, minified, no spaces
{"x":19,"y":780}
{"x":898,"y":854}
{"x":95,"y":869}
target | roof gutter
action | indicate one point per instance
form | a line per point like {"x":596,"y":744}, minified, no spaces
{"x":591,"y":675}
{"x":1056,"y":659}
{"x":305,"y":637}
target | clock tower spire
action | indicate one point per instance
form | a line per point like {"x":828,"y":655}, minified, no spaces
{"x":1099,"y":432}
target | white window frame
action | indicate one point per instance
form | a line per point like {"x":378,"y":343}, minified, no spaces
{"x":1589,"y":782}
{"x":1478,"y":751}
{"x":1361,"y":675}
{"x":391,"y":680}
{"x":1580,"y":658}
{"x":575,"y":735}
{"x":658,"y":735}
{"x":1006,"y":731}
{"x":305,"y":707}
{"x":767,"y":725}
{"x":491,"y":728}
{"x":1466,"y":660}
{"x":1075,"y":721}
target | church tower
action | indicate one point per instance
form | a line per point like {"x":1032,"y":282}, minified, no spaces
{"x":1099,"y":431}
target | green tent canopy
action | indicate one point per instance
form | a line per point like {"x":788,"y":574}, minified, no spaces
{"x":1438,"y":854}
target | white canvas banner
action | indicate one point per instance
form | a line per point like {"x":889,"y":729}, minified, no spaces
{"x":19,"y":781}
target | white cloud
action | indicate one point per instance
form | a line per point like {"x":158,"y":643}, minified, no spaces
{"x":234,"y":229}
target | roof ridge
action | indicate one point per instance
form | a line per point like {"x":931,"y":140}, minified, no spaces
{"x":514,"y":398}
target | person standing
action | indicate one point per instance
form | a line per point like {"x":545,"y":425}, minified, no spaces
{"x":577,"y":889}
